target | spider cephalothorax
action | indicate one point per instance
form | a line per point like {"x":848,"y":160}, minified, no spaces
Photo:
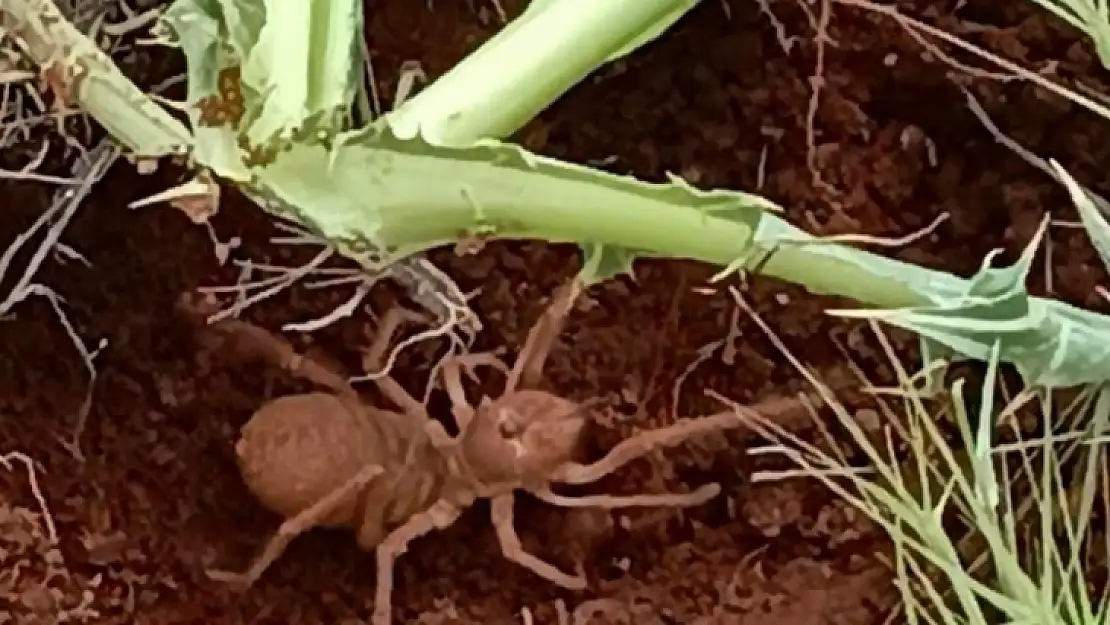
{"x":522,"y":436}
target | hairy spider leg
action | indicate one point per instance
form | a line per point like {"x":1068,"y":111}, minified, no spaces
{"x":501,"y":511}
{"x":642,"y":443}
{"x":528,"y":369}
{"x":440,"y":515}
{"x":453,"y":367}
{"x":299,"y":524}
{"x":662,"y":500}
{"x":261,"y":343}
{"x":374,"y":355}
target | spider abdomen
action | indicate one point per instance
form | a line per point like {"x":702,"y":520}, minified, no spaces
{"x":297,"y":449}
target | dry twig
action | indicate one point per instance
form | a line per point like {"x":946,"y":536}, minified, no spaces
{"x":32,"y":480}
{"x":54,"y":220}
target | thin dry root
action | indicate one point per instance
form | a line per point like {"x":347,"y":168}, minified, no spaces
{"x":33,"y":482}
{"x":296,"y":526}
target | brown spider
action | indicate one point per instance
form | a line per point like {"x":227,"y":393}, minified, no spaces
{"x":328,"y":459}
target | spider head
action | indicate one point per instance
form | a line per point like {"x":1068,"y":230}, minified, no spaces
{"x":526,"y":434}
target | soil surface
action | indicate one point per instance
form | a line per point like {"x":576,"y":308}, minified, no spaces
{"x":150,"y":496}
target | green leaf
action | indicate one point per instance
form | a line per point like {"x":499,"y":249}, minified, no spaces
{"x":304,"y":67}
{"x":201,"y":28}
{"x":1052,"y":344}
{"x":601,"y":262}
{"x":263,"y":73}
{"x":857,"y":274}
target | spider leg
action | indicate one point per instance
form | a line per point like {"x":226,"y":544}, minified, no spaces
{"x":640,"y":444}
{"x":501,"y":509}
{"x":453,"y":368}
{"x":258,"y":342}
{"x":374,"y":355}
{"x":440,"y":515}
{"x":781,"y":410}
{"x":528,"y":370}
{"x":291,"y":528}
{"x":438,"y":436}
{"x":371,"y":527}
{"x":669,"y":500}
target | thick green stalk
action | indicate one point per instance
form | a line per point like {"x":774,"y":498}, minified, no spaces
{"x":373,"y":191}
{"x":531,"y":63}
{"x":378,"y":189}
{"x":563,"y":41}
{"x":450,"y":111}
{"x":83,"y":73}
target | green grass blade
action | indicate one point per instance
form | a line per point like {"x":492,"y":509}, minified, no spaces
{"x":1090,"y":207}
{"x":1089,"y":16}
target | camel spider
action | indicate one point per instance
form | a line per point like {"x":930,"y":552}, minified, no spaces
{"x":328,"y":459}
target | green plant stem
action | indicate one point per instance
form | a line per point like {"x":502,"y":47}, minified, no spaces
{"x":429,"y":198}
{"x":528,"y":65}
{"x":93,"y":80}
{"x":563,"y":42}
{"x":376,"y":191}
{"x":665,"y":232}
{"x":143,"y":126}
